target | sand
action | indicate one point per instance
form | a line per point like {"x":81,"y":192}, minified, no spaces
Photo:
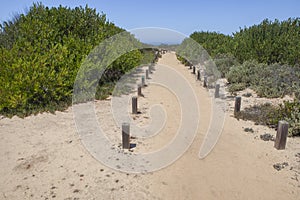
{"x":43,"y":157}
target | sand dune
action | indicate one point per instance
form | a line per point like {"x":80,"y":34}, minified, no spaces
{"x":43,"y":157}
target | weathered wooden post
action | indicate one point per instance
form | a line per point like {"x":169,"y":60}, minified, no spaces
{"x":194,"y":70}
{"x":147,"y":74}
{"x":150,"y":68}
{"x":237,"y":106}
{"x":217,"y":91}
{"x":134,"y":105}
{"x":281,"y":135}
{"x":125,"y":135}
{"x":198,"y":75}
{"x":143,"y":81}
{"x":205,"y":81}
{"x":139,"y":90}
{"x":190,"y":66}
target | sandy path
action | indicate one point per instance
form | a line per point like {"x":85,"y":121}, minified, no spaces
{"x":42,"y":157}
{"x":239,"y":167}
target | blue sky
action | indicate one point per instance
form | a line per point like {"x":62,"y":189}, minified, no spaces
{"x":187,"y":16}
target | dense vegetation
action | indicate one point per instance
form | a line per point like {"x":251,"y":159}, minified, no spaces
{"x":267,"y":114}
{"x":269,"y":42}
{"x":268,"y":54}
{"x":41,"y":52}
{"x":274,"y":80}
{"x":264,"y":57}
{"x":214,"y":43}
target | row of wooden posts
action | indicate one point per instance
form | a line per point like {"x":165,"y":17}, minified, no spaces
{"x":282,"y":130}
{"x":134,"y":100}
{"x":205,"y":83}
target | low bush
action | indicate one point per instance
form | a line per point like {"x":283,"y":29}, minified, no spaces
{"x":269,"y":81}
{"x":277,"y":80}
{"x":265,"y":114}
{"x":224,"y":62}
{"x":270,"y":115}
{"x":291,"y":113}
{"x":184,"y":61}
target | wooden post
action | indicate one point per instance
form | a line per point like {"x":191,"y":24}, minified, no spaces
{"x":147,"y":74}
{"x":149,"y":69}
{"x":139,"y":90}
{"x":237,"y":106}
{"x":143,"y":81}
{"x":281,"y":135}
{"x":198,"y":75}
{"x":125,"y":135}
{"x":194,"y":70}
{"x":190,"y":66}
{"x":217,"y":91}
{"x":205,"y":81}
{"x":134,"y":105}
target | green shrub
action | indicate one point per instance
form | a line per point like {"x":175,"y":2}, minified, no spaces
{"x":269,"y":42}
{"x":291,"y":113}
{"x":42,"y":51}
{"x":277,"y":80}
{"x":189,"y":52}
{"x":232,"y":88}
{"x":148,"y":55}
{"x":245,"y":74}
{"x":214,"y":43}
{"x":184,"y":61}
{"x":270,"y":81}
{"x":265,"y":114}
{"x":270,"y":115}
{"x":224,"y":62}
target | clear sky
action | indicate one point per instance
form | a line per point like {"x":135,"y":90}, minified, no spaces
{"x":185,"y":16}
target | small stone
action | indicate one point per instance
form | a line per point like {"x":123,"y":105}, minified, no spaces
{"x":75,"y":191}
{"x":277,"y":166}
{"x":280,"y":166}
{"x":249,"y":130}
{"x":267,"y":137}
